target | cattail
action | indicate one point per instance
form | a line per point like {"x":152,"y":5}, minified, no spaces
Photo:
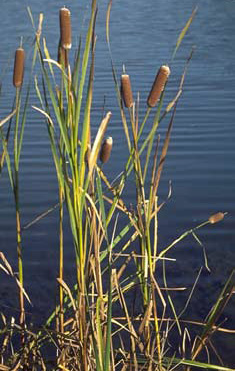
{"x":126,"y":91}
{"x":106,"y":149}
{"x":158,"y":85}
{"x":215,"y":218}
{"x":62,"y":56}
{"x":65,"y":28}
{"x":18,"y":68}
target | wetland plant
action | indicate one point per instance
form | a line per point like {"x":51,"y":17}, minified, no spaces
{"x":93,"y":326}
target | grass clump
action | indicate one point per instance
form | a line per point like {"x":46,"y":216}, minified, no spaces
{"x":94,"y":327}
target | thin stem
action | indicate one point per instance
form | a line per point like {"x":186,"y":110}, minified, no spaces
{"x":61,"y":270}
{"x":17,"y":208}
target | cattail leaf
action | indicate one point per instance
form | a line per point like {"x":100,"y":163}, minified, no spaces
{"x":31,"y":17}
{"x":48,"y":117}
{"x":69,"y":202}
{"x":53,"y":144}
{"x":49,"y":59}
{"x":84,"y":70}
{"x":38,"y":92}
{"x":173,"y":102}
{"x":101,"y":203}
{"x":169,"y":362}
{"x":98,"y":363}
{"x":52,"y":61}
{"x":214,"y":314}
{"x":183,"y":32}
{"x":111,"y":275}
{"x":164,"y":153}
{"x":19,"y":284}
{"x":176,"y":241}
{"x":86,"y":131}
{"x":75,"y":72}
{"x":93,"y":205}
{"x":169,"y":298}
{"x":151,"y":137}
{"x":167,"y":139}
{"x":56,"y":108}
{"x":98,"y":140}
{"x":99,"y":332}
{"x":109,"y":323}
{"x":23,"y":124}
{"x":59,"y":118}
{"x":68,"y":291}
{"x":121,"y":236}
{"x":115,"y":78}
{"x":8,"y":160}
{"x":41,"y":216}
{"x":152,"y":196}
{"x":203,"y":249}
{"x":108,"y":21}
{"x":7,"y":118}
{"x":23,"y":121}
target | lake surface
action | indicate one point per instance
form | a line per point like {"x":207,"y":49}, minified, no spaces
{"x":201,"y":158}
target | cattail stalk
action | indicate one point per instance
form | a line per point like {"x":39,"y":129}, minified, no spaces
{"x":62,"y":56}
{"x":65,"y":28}
{"x":158,"y":85}
{"x":18,"y":74}
{"x":126,"y":91}
{"x":106,"y":150}
{"x":215,"y":218}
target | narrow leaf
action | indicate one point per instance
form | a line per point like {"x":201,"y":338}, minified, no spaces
{"x":183,"y":32}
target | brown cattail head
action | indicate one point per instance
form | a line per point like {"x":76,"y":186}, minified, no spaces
{"x":62,"y":56}
{"x":215,"y":218}
{"x":106,"y":149}
{"x":65,"y":28}
{"x":126,"y":91}
{"x":18,"y":68}
{"x":158,"y":85}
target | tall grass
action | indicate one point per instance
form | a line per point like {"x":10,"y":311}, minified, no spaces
{"x":19,"y":115}
{"x":84,"y":328}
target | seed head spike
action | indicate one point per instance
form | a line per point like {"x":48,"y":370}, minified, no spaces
{"x":18,"y":68}
{"x":65,"y":28}
{"x":126,"y":91}
{"x":158,"y":85}
{"x":106,"y":149}
{"x":215,"y":218}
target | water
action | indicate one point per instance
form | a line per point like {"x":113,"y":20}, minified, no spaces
{"x":201,"y":157}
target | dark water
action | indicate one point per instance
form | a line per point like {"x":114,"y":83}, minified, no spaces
{"x":201,"y":159}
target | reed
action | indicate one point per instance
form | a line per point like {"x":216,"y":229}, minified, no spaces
{"x":115,"y":268}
